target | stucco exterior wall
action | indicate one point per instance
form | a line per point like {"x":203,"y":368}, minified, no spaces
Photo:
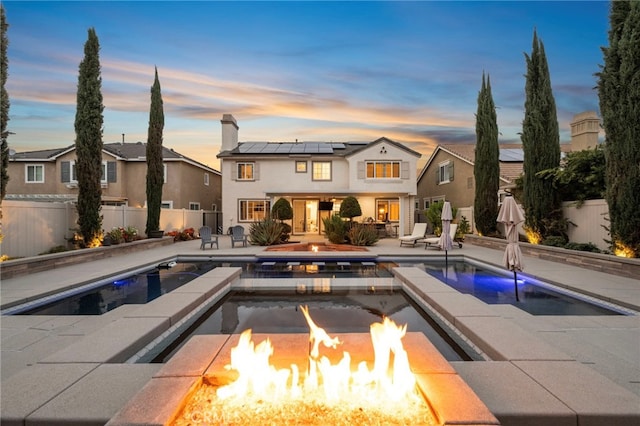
{"x":460,"y":192}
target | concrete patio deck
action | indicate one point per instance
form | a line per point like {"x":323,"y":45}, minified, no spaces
{"x":572,"y":370}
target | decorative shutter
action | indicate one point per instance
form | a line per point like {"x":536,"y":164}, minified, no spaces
{"x":451,"y":171}
{"x":65,"y":171}
{"x":361,"y":169}
{"x":438,"y":176}
{"x":234,"y":171}
{"x":112,"y":171}
{"x":404,"y":170}
{"x":256,"y":171}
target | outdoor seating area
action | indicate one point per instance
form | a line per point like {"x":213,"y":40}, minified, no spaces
{"x":435,"y":241}
{"x":238,"y":236}
{"x":207,"y":237}
{"x":419,"y":230}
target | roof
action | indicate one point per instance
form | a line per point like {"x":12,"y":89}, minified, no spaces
{"x":511,"y":158}
{"x":288,"y":149}
{"x":122,"y":151}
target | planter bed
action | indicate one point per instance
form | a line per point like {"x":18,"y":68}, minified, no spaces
{"x":45,"y":262}
{"x":607,"y":263}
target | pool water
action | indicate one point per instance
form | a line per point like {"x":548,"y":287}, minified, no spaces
{"x":340,"y":311}
{"x":534,"y":297}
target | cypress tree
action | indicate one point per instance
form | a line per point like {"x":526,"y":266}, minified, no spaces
{"x":155,"y":170}
{"x":4,"y":104}
{"x":487,"y":162}
{"x":619,"y":94}
{"x":541,"y":146}
{"x":88,"y":127}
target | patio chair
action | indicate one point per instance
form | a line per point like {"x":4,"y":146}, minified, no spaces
{"x":238,"y":236}
{"x":206,"y":237}
{"x":435,"y":241}
{"x":419,"y":229}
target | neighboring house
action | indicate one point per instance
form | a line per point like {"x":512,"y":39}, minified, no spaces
{"x":49,"y":175}
{"x":315,"y":177}
{"x":448,"y":173}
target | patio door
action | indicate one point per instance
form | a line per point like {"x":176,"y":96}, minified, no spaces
{"x":305,"y":217}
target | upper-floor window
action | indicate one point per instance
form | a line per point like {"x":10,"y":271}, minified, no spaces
{"x":194,"y":205}
{"x":301,"y":167}
{"x":246,"y":171}
{"x":321,"y":170}
{"x":383,"y":169}
{"x":70,"y":175}
{"x":206,"y":179}
{"x":444,"y":174}
{"x":34,"y":173}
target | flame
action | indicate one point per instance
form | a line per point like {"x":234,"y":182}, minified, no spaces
{"x":390,"y":379}
{"x":314,"y":248}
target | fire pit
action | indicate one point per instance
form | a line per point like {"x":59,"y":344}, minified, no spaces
{"x":316,"y":247}
{"x":307,"y":379}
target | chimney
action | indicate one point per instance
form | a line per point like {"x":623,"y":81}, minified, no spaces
{"x":585,"y":128}
{"x":229,"y":133}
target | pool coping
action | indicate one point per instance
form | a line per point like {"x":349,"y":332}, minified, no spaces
{"x":521,"y":355}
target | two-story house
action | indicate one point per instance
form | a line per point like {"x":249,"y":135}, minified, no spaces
{"x":49,"y":175}
{"x":449,"y":171}
{"x":315,"y":177}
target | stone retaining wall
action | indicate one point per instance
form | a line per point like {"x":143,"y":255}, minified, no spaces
{"x":45,"y":262}
{"x":595,"y":261}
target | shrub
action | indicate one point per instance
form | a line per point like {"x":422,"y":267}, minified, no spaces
{"x":335,"y":229}
{"x":350,"y":208}
{"x":116,"y":235}
{"x":363,"y":235}
{"x":434,"y":215}
{"x":266,"y":232}
{"x":583,"y":247}
{"x":185,"y":235}
{"x":554,"y":241}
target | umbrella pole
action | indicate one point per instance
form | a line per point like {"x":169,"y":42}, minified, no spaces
{"x":515,"y":284}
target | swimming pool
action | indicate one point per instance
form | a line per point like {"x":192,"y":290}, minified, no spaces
{"x":489,"y":284}
{"x":342,"y":310}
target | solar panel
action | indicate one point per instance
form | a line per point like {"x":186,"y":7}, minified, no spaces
{"x":510,"y":155}
{"x":270,"y":148}
{"x":297,"y":148}
{"x":284,"y":148}
{"x":244,"y":147}
{"x":337,"y":145}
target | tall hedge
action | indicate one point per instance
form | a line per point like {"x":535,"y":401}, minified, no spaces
{"x":155,"y":169}
{"x":619,"y":94}
{"x":88,"y":128}
{"x":487,"y":162}
{"x":541,"y":146}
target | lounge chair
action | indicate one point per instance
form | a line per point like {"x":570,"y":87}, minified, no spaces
{"x":238,"y":236}
{"x":419,"y":229}
{"x":435,"y":241}
{"x":206,"y":237}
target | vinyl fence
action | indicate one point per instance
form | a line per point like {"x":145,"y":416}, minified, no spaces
{"x":30,"y":228}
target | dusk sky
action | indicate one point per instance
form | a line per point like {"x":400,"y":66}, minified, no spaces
{"x":311,"y":71}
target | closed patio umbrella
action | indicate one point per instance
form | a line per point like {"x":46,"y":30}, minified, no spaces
{"x":445,"y":242}
{"x":510,"y":215}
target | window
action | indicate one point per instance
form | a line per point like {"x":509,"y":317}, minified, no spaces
{"x":69,"y":173}
{"x":383,"y":169}
{"x":194,"y":206}
{"x":322,"y":170}
{"x":301,"y":167}
{"x":253,"y":210}
{"x":245,"y":171}
{"x":166,"y":205}
{"x":388,"y":210}
{"x":444,"y":174}
{"x":206,"y":179}
{"x":34,"y":173}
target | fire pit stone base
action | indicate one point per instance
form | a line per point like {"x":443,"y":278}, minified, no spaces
{"x":451,"y":400}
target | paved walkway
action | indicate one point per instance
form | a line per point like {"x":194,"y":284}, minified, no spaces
{"x":609,"y":345}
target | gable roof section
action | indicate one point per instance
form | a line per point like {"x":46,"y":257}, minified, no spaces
{"x":130,"y":152}
{"x":42,"y":155}
{"x":510,"y":163}
{"x":307,"y":149}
